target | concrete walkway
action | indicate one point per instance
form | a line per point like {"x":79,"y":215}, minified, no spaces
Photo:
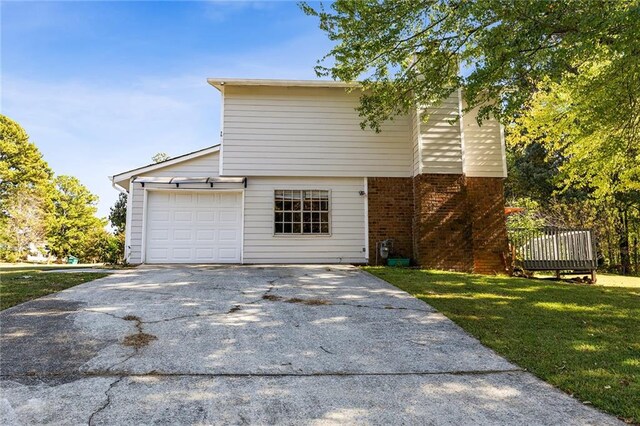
{"x":258,"y":345}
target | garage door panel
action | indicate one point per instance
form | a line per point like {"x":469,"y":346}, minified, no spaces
{"x":161,"y":254}
{"x":205,"y":216}
{"x":182,"y":216}
{"x":206,"y":200}
{"x":205,"y":253}
{"x":227,"y":254}
{"x":156,"y":214}
{"x":183,"y":199}
{"x":228,"y":235}
{"x":205,"y":235}
{"x":194,"y":227}
{"x":159,"y":234}
{"x":231,"y":200}
{"x":182,"y":234}
{"x":159,"y":199}
{"x":181,"y":253}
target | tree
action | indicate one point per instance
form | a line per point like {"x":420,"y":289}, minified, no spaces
{"x":595,"y":128}
{"x":103,"y":246}
{"x":160,"y":157}
{"x":424,"y":50}
{"x":25,"y":191}
{"x":531,"y":173}
{"x":24,"y":223}
{"x":118,"y":214}
{"x":74,"y":218}
{"x":21,"y":165}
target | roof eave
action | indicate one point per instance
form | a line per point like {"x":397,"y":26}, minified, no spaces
{"x":125,"y":176}
{"x":220,"y":82}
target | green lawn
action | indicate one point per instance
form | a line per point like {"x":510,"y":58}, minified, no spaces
{"x":18,"y":287}
{"x":11,"y":267}
{"x":607,"y":280}
{"x":583,"y":339}
{"x":610,"y":280}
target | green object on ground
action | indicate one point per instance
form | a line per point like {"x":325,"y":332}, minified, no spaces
{"x":582,"y":339}
{"x":398,"y":261}
{"x":19,"y":287}
{"x":72,"y":260}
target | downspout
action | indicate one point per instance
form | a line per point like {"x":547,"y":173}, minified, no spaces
{"x":117,"y":187}
{"x":127,"y":240}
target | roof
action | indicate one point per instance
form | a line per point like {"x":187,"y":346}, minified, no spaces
{"x":219,"y":82}
{"x":125,"y":176}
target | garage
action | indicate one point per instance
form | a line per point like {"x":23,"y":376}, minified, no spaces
{"x":185,"y":226}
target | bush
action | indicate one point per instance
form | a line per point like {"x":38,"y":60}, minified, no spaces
{"x":103,"y":247}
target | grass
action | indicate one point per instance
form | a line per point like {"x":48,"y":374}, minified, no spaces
{"x":610,"y":280}
{"x":607,"y":280}
{"x":582,"y":339}
{"x":14,"y":267}
{"x":20,"y":286}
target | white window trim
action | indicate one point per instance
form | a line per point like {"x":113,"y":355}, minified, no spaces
{"x":301,"y":235}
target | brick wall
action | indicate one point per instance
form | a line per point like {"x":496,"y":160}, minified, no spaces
{"x":489,"y":232}
{"x":442,"y":230}
{"x":441,"y":221}
{"x":390,"y":214}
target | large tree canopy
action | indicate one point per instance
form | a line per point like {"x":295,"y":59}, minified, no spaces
{"x":21,"y":163}
{"x":591,"y":122}
{"x":36,"y":208}
{"x":75,"y":218}
{"x":593,"y":126}
{"x":497,"y":50}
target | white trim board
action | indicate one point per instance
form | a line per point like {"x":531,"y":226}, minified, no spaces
{"x":170,"y":162}
{"x":127,"y":225}
{"x":143,"y":243}
{"x":145,"y":213}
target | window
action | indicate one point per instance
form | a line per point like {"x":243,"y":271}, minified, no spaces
{"x":301,"y":212}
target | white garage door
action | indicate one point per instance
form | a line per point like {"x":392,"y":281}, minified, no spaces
{"x":193,"y":227}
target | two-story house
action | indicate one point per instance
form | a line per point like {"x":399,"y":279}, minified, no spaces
{"x":295,"y":179}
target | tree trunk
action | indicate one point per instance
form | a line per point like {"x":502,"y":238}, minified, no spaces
{"x":612,"y":260}
{"x":623,"y":243}
{"x":635,"y":256}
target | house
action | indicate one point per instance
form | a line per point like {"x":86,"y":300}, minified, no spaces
{"x":295,"y":179}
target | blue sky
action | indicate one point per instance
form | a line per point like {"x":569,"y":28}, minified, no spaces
{"x":102,"y":86}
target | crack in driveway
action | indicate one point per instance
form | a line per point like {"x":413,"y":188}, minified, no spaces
{"x":159,"y":374}
{"x":107,"y":402}
{"x":303,"y":361}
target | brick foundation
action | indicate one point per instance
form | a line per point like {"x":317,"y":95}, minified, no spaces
{"x":441,"y":221}
{"x":442,"y":231}
{"x":390,"y":213}
{"x":488,"y":224}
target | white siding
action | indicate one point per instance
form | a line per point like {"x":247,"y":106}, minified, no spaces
{"x":484,"y":154}
{"x":276,"y":131}
{"x":207,"y":165}
{"x":440,"y":138}
{"x":137,"y":194}
{"x":415,"y":141}
{"x":344,"y":245}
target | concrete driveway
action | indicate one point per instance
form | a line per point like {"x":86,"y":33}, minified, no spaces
{"x":258,"y":345}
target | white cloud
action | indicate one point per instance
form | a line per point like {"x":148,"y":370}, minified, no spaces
{"x":92,"y":130}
